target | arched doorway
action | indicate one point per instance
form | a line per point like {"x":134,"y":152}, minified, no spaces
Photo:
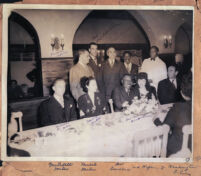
{"x":183,"y":42}
{"x":24,"y":58}
{"x":116,"y":28}
{"x":183,"y":39}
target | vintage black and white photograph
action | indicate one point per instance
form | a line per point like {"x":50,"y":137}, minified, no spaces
{"x":97,"y":83}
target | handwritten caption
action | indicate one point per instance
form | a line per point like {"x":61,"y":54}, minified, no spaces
{"x":184,"y":169}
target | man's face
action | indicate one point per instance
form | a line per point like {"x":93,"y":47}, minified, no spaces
{"x":85,"y":57}
{"x":111,"y":53}
{"x":127,"y":82}
{"x":179,"y":58}
{"x":172,"y":73}
{"x":59,"y":87}
{"x":93,"y":50}
{"x":153,"y":53}
{"x":127,"y":58}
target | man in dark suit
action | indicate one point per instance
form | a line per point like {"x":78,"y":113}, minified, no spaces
{"x":96,"y":65}
{"x":169,"y":89}
{"x":124,"y":94}
{"x":111,"y":72}
{"x":179,"y":116}
{"x":58,"y":108}
{"x":127,"y":66}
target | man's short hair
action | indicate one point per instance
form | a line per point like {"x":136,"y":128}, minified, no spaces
{"x":122,"y":78}
{"x":155,"y":47}
{"x":110,"y":48}
{"x":127,"y":52}
{"x":81,"y":51}
{"x":173,"y":65}
{"x":92,"y":43}
{"x":58,"y":79}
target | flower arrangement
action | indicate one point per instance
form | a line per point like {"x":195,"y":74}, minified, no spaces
{"x":141,"y":106}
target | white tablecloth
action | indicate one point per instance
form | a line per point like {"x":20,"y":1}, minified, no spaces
{"x":106,"y":135}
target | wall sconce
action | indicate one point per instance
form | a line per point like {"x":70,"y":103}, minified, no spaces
{"x":167,"y":41}
{"x":56,"y":43}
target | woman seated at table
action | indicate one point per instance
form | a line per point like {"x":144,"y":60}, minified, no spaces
{"x":92,"y":103}
{"x":143,"y":89}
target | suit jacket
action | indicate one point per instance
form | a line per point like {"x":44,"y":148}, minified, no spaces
{"x":111,"y":77}
{"x":167,"y":93}
{"x":51,"y":112}
{"x":120,"y":96}
{"x":134,"y":70}
{"x":76,"y":73}
{"x":97,"y":69}
{"x":177,"y":117}
{"x":85,"y":104}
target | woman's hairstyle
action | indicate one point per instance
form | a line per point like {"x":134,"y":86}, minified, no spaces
{"x":143,"y":75}
{"x":84,"y":82}
{"x":186,"y":85}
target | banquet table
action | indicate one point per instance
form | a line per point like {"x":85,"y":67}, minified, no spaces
{"x":108,"y":135}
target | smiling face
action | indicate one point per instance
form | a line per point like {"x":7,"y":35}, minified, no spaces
{"x":127,"y":82}
{"x":84,"y":57}
{"x":59,"y":87}
{"x":141,"y":82}
{"x":172,"y":73}
{"x":92,"y":87}
{"x":153,"y":53}
{"x":111,"y":53}
{"x":127,"y":58}
{"x":93,"y":50}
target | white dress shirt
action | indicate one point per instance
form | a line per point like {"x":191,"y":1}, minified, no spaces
{"x":155,"y":69}
{"x":128,"y":67}
{"x":174,"y":81}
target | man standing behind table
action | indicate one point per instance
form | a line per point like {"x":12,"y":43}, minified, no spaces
{"x":58,"y":108}
{"x":154,"y":67}
{"x":124,"y":94}
{"x":96,"y":65}
{"x":127,"y":66}
{"x":78,"y":71}
{"x":111,"y":72}
{"x":169,"y":89}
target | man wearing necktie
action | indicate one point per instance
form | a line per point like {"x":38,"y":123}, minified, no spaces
{"x":154,"y":67}
{"x":111,"y":72}
{"x":169,"y":89}
{"x":96,"y":65}
{"x":124,"y":94}
{"x":127,"y":66}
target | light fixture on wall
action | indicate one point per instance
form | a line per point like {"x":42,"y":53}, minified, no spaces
{"x":167,"y":41}
{"x":57,"y":42}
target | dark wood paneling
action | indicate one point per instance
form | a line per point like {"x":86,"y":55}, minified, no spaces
{"x":53,"y":68}
{"x":29,"y":108}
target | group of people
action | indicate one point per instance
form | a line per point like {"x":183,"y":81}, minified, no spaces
{"x":94,"y":84}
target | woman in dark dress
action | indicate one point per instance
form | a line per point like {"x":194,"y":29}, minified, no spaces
{"x":143,"y":89}
{"x":92,"y":103}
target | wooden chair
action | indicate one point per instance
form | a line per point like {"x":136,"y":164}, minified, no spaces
{"x":13,"y":125}
{"x":184,"y":152}
{"x":151,"y":142}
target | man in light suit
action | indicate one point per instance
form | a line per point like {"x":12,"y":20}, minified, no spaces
{"x":127,"y":66}
{"x":78,"y":71}
{"x":169,"y":89}
{"x":96,"y":65}
{"x":111,"y":72}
